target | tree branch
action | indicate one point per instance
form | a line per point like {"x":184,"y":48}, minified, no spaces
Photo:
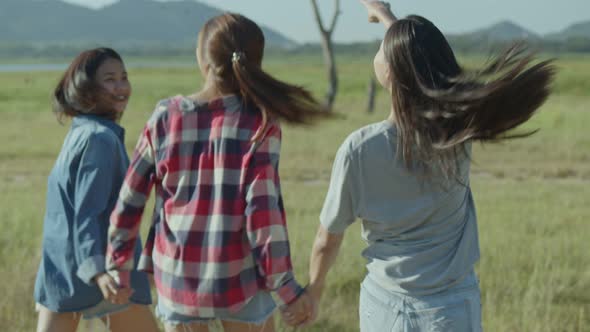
{"x":328,"y":50}
{"x":318,"y":17}
{"x":337,"y":13}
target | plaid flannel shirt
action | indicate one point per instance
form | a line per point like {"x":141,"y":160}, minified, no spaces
{"x":218,"y":232}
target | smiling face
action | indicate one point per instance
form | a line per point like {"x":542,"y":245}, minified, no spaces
{"x":111,"y":77}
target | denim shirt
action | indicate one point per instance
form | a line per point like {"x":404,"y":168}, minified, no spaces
{"x":82,"y":190}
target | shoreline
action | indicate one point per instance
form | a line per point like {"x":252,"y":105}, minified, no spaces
{"x":48,"y":67}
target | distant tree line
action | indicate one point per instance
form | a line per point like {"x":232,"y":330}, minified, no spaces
{"x":59,"y":50}
{"x":467,"y":44}
{"x":461,"y":44}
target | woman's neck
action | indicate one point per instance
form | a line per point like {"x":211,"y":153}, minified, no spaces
{"x":208,"y":92}
{"x":391,"y":117}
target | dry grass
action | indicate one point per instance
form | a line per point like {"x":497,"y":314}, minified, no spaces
{"x":532,"y":196}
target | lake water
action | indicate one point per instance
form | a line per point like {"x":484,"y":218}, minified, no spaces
{"x":30,"y":67}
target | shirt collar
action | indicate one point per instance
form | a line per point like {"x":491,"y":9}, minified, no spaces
{"x":89,"y":118}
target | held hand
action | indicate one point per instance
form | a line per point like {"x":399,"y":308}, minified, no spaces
{"x":301,"y":312}
{"x":111,"y":291}
{"x":379,"y":11}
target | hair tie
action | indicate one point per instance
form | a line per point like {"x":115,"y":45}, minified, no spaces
{"x":237,"y":56}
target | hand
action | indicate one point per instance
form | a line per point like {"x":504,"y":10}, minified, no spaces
{"x":379,"y":11}
{"x":301,"y":312}
{"x":111,"y":291}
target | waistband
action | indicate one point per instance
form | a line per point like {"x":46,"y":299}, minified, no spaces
{"x":467,"y":284}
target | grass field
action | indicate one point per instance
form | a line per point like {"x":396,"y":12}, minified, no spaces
{"x":532,"y":195}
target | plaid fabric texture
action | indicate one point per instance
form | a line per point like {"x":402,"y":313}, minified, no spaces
{"x":218,"y":232}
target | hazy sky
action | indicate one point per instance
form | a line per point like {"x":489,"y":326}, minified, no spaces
{"x":294,"y":17}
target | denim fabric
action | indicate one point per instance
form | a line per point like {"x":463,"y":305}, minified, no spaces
{"x":256,"y":311}
{"x":82,"y":189}
{"x":457,"y":309}
{"x":102,"y":309}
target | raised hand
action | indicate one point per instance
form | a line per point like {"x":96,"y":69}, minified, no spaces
{"x":301,"y":312}
{"x":111,"y":291}
{"x":379,"y":11}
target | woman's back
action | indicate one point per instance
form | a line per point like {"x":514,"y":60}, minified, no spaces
{"x":198,"y":145}
{"x":218,"y":233}
{"x":422,"y":235}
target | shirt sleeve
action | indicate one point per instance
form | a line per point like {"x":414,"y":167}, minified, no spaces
{"x":338,"y":211}
{"x":265,"y":220}
{"x":126,"y":217}
{"x":93,"y":190}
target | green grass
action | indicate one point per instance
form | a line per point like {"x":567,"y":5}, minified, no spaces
{"x":532,"y":194}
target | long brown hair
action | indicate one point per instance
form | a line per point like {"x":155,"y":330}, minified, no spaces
{"x":77,"y":91}
{"x":438,"y":105}
{"x":233,"y":47}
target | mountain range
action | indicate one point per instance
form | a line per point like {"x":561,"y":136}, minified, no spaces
{"x":508,"y":30}
{"x":175,"y":24}
{"x":577,"y":30}
{"x":126,"y":21}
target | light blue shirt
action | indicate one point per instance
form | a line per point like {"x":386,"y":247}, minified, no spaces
{"x":82,"y":190}
{"x":421,"y":235}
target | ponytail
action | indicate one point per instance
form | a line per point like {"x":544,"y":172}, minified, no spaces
{"x":232,"y":47}
{"x":275,"y":99}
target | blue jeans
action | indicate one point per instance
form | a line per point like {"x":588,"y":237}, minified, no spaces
{"x":457,"y":309}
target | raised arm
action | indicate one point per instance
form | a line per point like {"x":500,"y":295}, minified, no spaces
{"x":379,"y":12}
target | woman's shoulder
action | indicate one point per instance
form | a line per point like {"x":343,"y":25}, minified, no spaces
{"x":90,"y":142}
{"x":366,"y":135}
{"x":86,"y":129}
{"x":175,"y":103}
{"x":101,"y":142}
{"x":166,"y":106}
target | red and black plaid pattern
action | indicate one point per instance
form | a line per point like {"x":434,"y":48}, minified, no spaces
{"x":218,"y":232}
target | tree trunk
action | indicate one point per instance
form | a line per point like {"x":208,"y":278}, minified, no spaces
{"x":328,"y":51}
{"x":371,"y":96}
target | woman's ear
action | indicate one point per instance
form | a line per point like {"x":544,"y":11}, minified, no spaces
{"x":204,"y":69}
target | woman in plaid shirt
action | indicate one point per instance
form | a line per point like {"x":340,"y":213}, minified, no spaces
{"x":218,"y":244}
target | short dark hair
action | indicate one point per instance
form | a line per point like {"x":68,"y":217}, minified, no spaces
{"x":76,"y":93}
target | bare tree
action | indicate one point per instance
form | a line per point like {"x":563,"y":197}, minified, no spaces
{"x":371,"y":95}
{"x":328,"y":49}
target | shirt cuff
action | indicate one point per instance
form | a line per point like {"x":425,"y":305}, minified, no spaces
{"x":122,"y":278}
{"x":145,"y":264}
{"x":90,"y":268}
{"x":288,"y":292}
